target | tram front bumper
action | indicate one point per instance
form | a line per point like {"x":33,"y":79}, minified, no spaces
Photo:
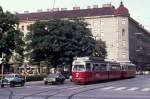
{"x":80,"y":80}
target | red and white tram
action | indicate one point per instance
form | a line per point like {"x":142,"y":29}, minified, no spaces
{"x":128,"y":70}
{"x":86,"y":69}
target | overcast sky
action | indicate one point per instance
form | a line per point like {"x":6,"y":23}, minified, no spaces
{"x":139,"y":9}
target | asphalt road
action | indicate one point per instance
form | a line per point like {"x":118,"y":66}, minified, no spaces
{"x":135,"y":88}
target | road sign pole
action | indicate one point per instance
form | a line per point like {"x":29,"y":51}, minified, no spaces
{"x":2,"y":69}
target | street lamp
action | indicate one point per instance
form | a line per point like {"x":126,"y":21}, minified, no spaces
{"x":25,"y":69}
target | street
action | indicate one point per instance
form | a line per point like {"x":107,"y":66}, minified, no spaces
{"x":135,"y":88}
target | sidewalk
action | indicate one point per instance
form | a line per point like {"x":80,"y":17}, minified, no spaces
{"x":41,"y":82}
{"x":33,"y":82}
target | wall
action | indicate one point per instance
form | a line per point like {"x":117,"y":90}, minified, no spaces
{"x":139,"y":41}
{"x":109,"y":29}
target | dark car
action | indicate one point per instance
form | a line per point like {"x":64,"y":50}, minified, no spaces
{"x":12,"y":80}
{"x":55,"y":78}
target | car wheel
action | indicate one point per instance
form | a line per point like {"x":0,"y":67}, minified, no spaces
{"x":53,"y":83}
{"x":45,"y":82}
{"x":12,"y":84}
{"x":2,"y":85}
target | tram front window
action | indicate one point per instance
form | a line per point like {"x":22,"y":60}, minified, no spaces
{"x":79,"y":68}
{"x":88,"y":67}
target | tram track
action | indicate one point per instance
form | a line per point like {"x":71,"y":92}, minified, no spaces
{"x":56,"y":92}
{"x":83,"y":89}
{"x":75,"y":89}
{"x":79,"y":92}
{"x":44,"y":91}
{"x":10,"y":93}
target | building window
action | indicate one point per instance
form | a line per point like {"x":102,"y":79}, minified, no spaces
{"x":102,"y":22}
{"x":123,"y":21}
{"x":123,"y":32}
{"x":28,"y":27}
{"x":22,"y":28}
{"x":102,"y":34}
{"x":123,"y":43}
{"x":123,"y":55}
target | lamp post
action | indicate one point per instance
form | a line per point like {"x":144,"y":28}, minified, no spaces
{"x":25,"y":69}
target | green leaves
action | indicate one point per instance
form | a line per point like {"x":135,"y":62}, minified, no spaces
{"x":10,"y":37}
{"x":58,"y":41}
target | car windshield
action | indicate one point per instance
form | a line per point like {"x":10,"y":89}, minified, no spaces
{"x":9,"y":76}
{"x":78,"y":68}
{"x":53,"y":75}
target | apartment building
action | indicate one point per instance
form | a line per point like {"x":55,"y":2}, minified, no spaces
{"x":126,"y":39}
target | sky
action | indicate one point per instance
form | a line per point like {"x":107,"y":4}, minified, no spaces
{"x":139,"y":9}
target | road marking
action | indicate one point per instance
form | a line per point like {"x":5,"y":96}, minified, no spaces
{"x":146,"y":89}
{"x":133,"y":89}
{"x":120,"y":88}
{"x":76,"y":87}
{"x":106,"y":88}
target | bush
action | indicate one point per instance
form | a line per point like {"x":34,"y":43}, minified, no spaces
{"x":35,"y":78}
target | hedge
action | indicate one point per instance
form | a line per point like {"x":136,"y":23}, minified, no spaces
{"x":35,"y":78}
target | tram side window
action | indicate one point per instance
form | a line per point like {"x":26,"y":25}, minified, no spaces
{"x":88,"y":67}
{"x":103,"y":67}
{"x":95,"y":67}
{"x":131,"y":68}
{"x":124,"y":67}
{"x":115,"y":67}
{"x":100,"y":67}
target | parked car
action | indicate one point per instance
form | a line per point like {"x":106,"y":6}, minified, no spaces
{"x":54,"y":78}
{"x":12,"y":80}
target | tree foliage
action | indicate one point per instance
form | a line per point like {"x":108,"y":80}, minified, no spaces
{"x":100,"y":50}
{"x":58,"y":41}
{"x":10,"y":37}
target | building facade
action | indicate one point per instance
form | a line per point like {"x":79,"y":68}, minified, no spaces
{"x":126,"y":40}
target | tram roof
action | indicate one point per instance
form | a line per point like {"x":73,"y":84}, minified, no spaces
{"x":89,"y":58}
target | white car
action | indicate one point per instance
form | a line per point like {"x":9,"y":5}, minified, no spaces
{"x":54,"y":78}
{"x":12,"y":80}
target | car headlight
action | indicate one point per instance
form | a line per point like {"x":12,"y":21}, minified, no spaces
{"x":44,"y":79}
{"x":54,"y":79}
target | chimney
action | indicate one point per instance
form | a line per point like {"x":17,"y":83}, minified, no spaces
{"x":63,"y":9}
{"x":106,"y":5}
{"x":95,"y":6}
{"x":16,"y":12}
{"x":88,"y":7}
{"x":55,"y":9}
{"x":26,"y":11}
{"x":76,"y":8}
{"x":40,"y":10}
{"x":47,"y":10}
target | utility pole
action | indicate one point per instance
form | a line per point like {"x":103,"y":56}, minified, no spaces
{"x":53,"y":4}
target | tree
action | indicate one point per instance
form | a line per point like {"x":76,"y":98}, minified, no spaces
{"x":58,"y":41}
{"x":10,"y":37}
{"x":100,"y":50}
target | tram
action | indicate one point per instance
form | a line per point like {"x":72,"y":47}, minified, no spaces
{"x":128,"y":70}
{"x":86,"y":69}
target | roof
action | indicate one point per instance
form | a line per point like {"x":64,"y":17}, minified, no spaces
{"x":68,"y":14}
{"x":122,"y":10}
